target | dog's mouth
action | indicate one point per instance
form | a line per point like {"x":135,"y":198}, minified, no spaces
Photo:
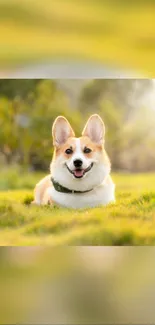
{"x":79,"y":172}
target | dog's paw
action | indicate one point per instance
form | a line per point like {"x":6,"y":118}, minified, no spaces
{"x":34,"y":203}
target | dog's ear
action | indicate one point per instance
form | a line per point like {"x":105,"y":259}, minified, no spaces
{"x":61,"y":131}
{"x":94,"y":129}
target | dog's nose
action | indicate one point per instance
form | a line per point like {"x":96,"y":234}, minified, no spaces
{"x":78,"y":163}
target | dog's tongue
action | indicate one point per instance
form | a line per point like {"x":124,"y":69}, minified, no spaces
{"x":78,"y":172}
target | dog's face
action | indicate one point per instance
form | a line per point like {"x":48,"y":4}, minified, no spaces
{"x":79,"y":163}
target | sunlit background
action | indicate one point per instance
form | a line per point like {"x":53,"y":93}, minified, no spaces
{"x":91,"y":285}
{"x":28,"y":109}
{"x":74,"y":38}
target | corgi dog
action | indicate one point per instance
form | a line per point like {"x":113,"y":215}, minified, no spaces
{"x":80,"y":168}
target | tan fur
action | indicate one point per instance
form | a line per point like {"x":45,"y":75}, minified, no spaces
{"x":85,"y":142}
{"x":40,"y":190}
{"x":61,"y":149}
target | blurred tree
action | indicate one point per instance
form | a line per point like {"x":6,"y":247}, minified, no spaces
{"x":26,"y":120}
{"x":11,"y":88}
{"x":122,"y":92}
{"x":137,"y":152}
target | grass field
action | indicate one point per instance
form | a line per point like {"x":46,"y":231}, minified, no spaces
{"x":130,"y":221}
{"x":34,"y":31}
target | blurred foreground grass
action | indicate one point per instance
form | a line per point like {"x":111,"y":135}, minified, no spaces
{"x":77,"y":285}
{"x":131,"y":221}
{"x":114,"y":33}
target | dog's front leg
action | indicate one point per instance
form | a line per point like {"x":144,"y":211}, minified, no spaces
{"x":46,"y":200}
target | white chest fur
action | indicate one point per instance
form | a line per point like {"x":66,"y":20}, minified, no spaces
{"x":101,"y":195}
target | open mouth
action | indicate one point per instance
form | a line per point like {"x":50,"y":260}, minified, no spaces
{"x":79,"y":172}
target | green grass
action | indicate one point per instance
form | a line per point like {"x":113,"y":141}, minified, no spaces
{"x":130,"y":221}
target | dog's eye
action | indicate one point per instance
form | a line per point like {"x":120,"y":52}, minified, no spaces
{"x":69,"y":151}
{"x":87,"y":150}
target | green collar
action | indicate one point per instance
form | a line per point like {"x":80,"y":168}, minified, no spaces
{"x":62,"y":189}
